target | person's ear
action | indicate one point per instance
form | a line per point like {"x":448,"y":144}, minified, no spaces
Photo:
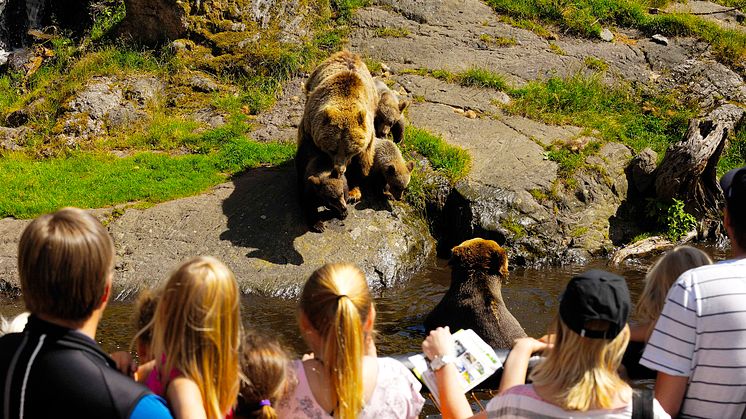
{"x":107,"y":289}
{"x":371,"y":320}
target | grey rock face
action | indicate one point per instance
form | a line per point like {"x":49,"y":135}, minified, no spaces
{"x":107,"y":103}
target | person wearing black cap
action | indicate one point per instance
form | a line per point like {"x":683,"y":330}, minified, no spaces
{"x":578,"y":376}
{"x":698,"y":345}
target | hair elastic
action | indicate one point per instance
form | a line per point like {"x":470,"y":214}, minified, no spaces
{"x":265,"y":402}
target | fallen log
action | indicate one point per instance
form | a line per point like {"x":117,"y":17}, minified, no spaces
{"x":647,"y":246}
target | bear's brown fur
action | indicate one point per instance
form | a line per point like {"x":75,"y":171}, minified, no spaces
{"x":390,"y":170}
{"x":389,"y":115}
{"x":340,"y":110}
{"x":318,"y":187}
{"x":474,"y":300}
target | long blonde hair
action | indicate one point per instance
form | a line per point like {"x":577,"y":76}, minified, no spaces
{"x":196,"y":331}
{"x":336,"y":301}
{"x":662,"y":275}
{"x":582,"y":370}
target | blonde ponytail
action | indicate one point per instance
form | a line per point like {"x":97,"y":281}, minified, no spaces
{"x":267,"y":412}
{"x":336,"y":301}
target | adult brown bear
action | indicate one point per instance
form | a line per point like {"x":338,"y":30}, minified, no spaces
{"x":340,"y":110}
{"x":474,"y":300}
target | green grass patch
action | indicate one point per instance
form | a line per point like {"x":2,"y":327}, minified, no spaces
{"x":514,"y":227}
{"x":618,"y":113}
{"x":344,"y":9}
{"x":451,"y":161}
{"x":106,"y":19}
{"x":93,"y":180}
{"x":735,"y":155}
{"x":498,"y":41}
{"x":473,"y":77}
{"x":588,"y":17}
{"x":596,"y":64}
{"x":530,"y":25}
{"x":556,"y":49}
{"x":391,"y":32}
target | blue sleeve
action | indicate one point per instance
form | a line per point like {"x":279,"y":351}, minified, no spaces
{"x":151,"y":406}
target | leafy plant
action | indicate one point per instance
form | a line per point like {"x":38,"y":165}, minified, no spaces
{"x":672,"y":219}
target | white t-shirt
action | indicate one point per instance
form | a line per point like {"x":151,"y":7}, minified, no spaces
{"x":396,"y":396}
{"x":701,"y":334}
{"x":523,"y":402}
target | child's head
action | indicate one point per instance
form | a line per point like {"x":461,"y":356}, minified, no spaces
{"x":266,"y":371}
{"x":662,"y":275}
{"x":65,"y":263}
{"x":337,"y":305}
{"x":196,"y":331}
{"x":591,"y":336}
{"x":145,"y":307}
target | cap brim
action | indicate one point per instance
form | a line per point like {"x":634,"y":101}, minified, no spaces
{"x":727,"y":179}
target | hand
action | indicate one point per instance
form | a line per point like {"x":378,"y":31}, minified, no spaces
{"x":438,"y":343}
{"x":125,"y":364}
{"x":307,"y":356}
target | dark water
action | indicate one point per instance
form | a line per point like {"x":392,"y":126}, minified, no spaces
{"x":531,"y":294}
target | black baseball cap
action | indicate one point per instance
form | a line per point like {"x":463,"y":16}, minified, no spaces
{"x":733,"y":184}
{"x":595,"y":295}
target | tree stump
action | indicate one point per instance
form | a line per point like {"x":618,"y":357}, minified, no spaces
{"x":688,"y":170}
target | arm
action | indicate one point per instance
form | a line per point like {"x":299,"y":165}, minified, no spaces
{"x":453,"y":403}
{"x":669,"y":391}
{"x":125,"y":364}
{"x":185,"y":399}
{"x":516,"y":366}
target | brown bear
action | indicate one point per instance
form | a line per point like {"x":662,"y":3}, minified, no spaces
{"x":340,"y":110}
{"x":474,"y":299}
{"x":390,"y":171}
{"x":318,"y":187}
{"x":389,"y":115}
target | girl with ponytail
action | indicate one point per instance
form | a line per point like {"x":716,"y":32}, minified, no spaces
{"x":344,"y":379}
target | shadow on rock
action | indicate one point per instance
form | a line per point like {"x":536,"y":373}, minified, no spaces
{"x":264,"y":213}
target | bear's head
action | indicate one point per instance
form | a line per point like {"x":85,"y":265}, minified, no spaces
{"x":347,"y":133}
{"x":332,"y":192}
{"x":397,"y":178}
{"x":480,"y":255}
{"x":389,"y":114}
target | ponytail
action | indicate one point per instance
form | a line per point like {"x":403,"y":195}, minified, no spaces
{"x":336,"y":301}
{"x":266,"y":412}
{"x":266,"y":372}
{"x":343,"y":354}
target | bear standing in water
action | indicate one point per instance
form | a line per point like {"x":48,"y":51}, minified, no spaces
{"x":474,"y":300}
{"x":340,"y":109}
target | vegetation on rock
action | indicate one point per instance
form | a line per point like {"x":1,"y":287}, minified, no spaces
{"x":588,"y":17}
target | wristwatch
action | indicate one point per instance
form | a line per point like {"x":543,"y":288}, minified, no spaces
{"x":441,"y":361}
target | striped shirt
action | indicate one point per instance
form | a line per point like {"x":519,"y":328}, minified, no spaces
{"x":701,"y":334}
{"x":522,"y":402}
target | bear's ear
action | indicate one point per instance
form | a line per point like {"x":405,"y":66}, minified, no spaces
{"x":314,"y":180}
{"x":390,"y":170}
{"x":500,"y":261}
{"x":403,"y":104}
{"x":410,"y":165}
{"x":361,"y":118}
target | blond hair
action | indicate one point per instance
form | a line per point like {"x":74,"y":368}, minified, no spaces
{"x":64,"y":262}
{"x":582,"y":370}
{"x":196,"y":331}
{"x":662,"y":276}
{"x":266,"y":371}
{"x":336,"y":301}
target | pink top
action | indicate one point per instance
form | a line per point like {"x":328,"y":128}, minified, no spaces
{"x":397,"y":395}
{"x":153,"y":382}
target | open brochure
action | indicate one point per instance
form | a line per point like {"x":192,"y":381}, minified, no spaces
{"x":475,"y":361}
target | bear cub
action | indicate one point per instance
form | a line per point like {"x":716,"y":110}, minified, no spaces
{"x":474,"y":299}
{"x":391,"y":172}
{"x":389,"y":115}
{"x":318,"y":187}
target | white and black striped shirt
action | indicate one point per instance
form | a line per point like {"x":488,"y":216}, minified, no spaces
{"x":701,"y":334}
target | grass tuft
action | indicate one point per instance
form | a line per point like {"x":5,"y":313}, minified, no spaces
{"x":392,"y":32}
{"x":451,"y":161}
